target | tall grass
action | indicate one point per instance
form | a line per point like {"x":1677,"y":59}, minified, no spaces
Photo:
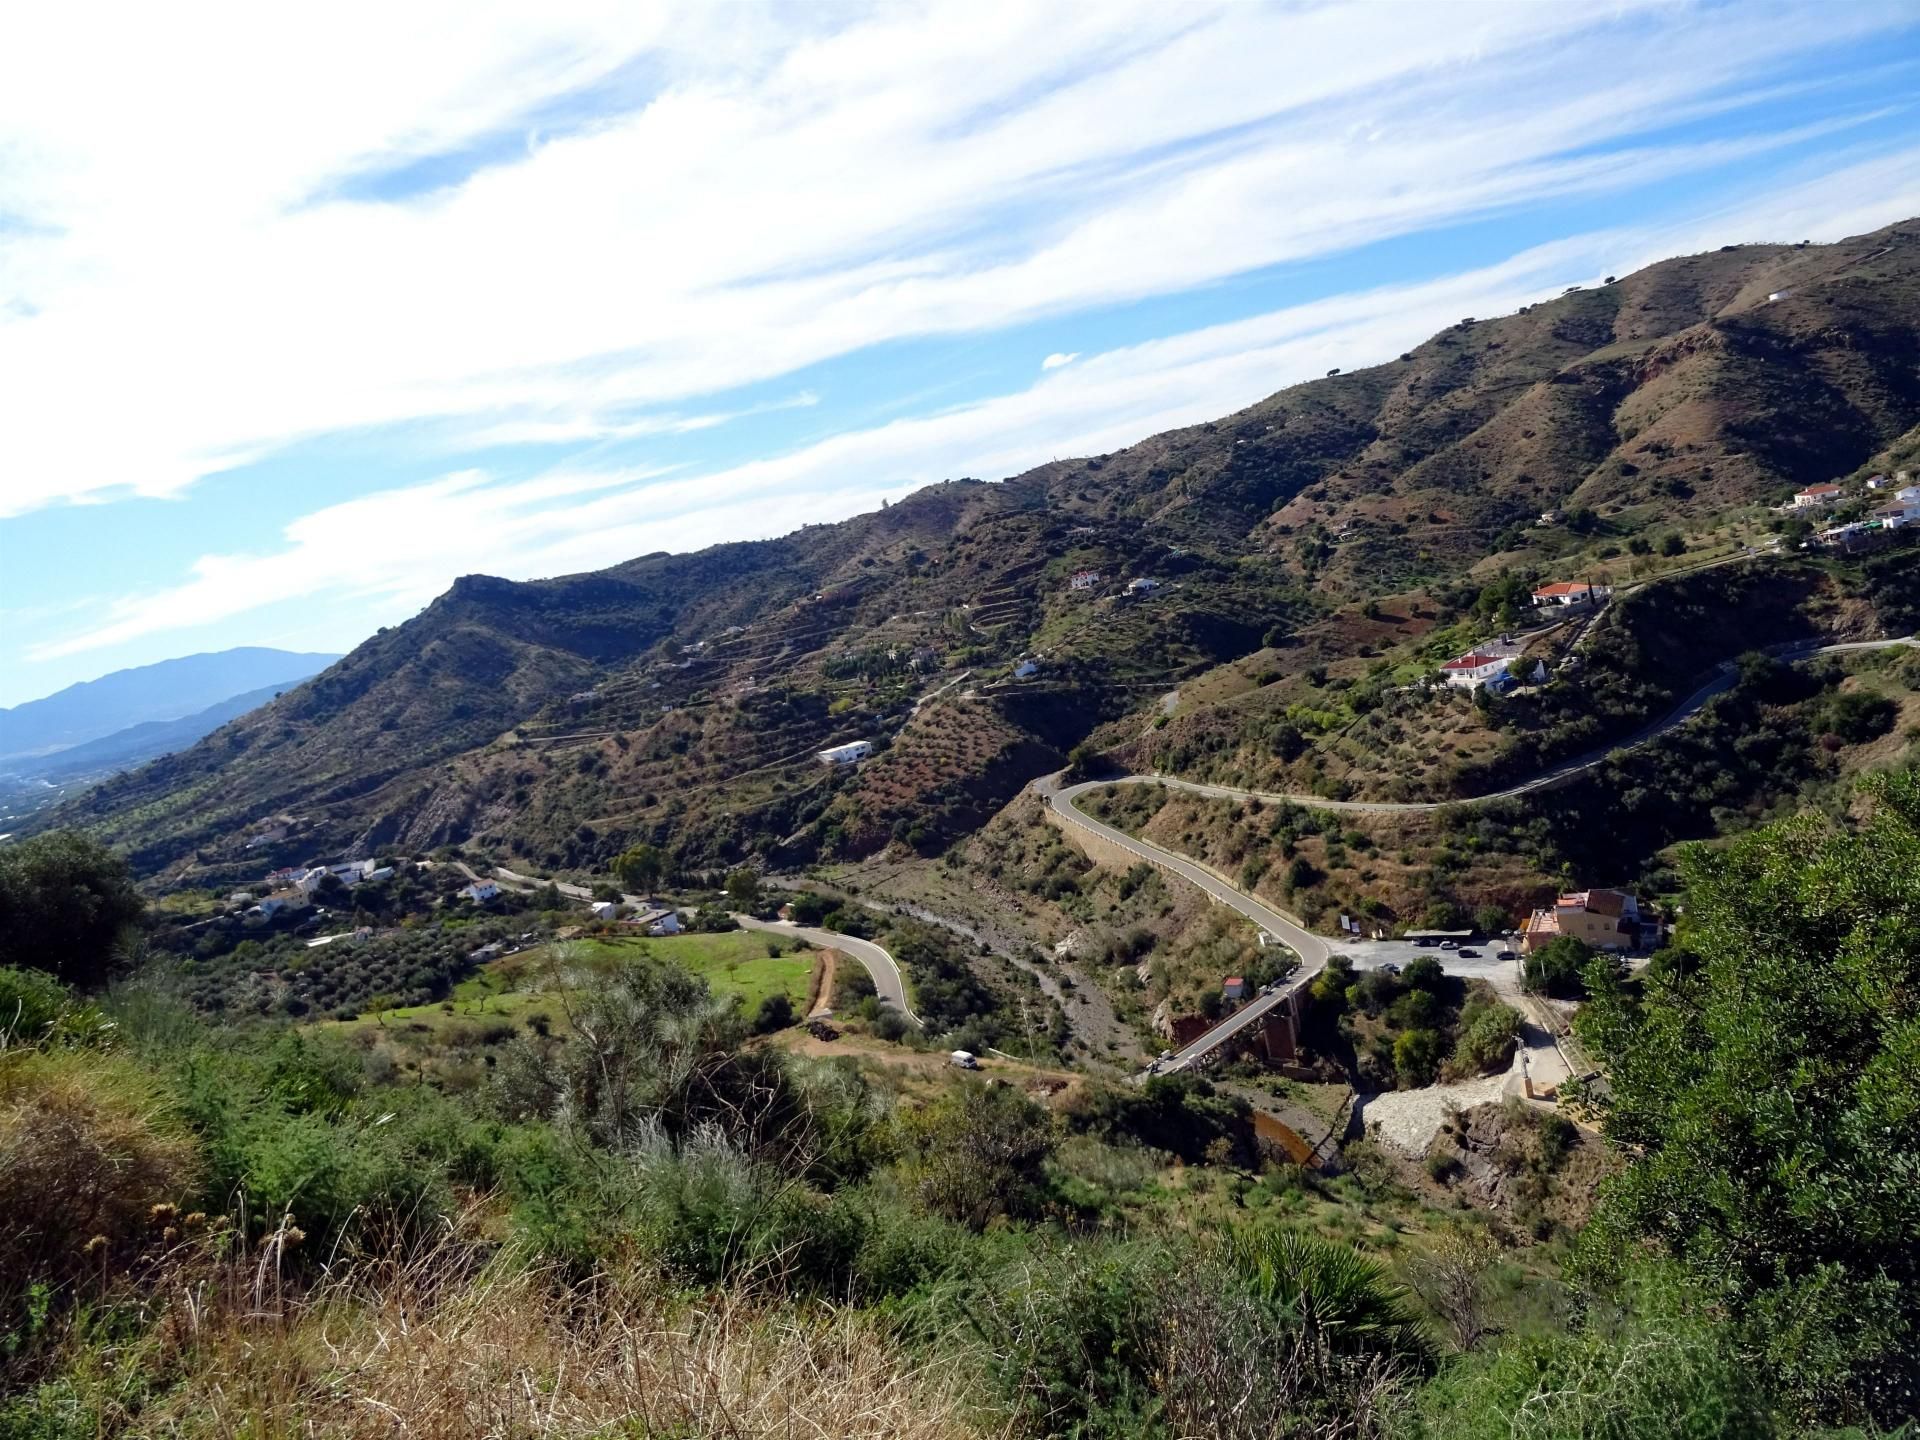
{"x":455,"y":1340}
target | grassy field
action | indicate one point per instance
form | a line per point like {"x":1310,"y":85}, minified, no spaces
{"x":733,"y":963}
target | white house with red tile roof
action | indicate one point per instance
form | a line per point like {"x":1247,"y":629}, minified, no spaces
{"x":1824,"y":494}
{"x":1571,"y":592}
{"x":1473,"y":669}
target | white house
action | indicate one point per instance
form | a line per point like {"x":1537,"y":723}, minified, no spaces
{"x":1825,"y":494}
{"x":605,"y":909}
{"x":1571,"y":592}
{"x":851,"y":753}
{"x":1878,"y":482}
{"x":313,"y":879}
{"x":1145,"y":585}
{"x":480,"y":891}
{"x":1084,"y":579}
{"x":1894,"y":516}
{"x":664,"y":921}
{"x":1473,"y":669}
{"x":1908,"y":494}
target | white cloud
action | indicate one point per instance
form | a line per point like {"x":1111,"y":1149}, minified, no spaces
{"x":182,"y":288}
{"x":396,"y":549}
{"x":402,"y":547}
{"x":1057,"y":359}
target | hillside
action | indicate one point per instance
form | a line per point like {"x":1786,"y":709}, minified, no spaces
{"x":678,"y":698}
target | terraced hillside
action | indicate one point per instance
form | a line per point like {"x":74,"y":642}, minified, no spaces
{"x":1339,"y":525}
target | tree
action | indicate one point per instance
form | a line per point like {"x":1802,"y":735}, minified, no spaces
{"x":743,"y":888}
{"x":1557,"y":966}
{"x":1490,"y":919}
{"x":1416,"y":1057}
{"x":1767,"y":1097}
{"x":66,"y":901}
{"x":1672,"y":544}
{"x":640,"y":867}
{"x":1423,"y":972}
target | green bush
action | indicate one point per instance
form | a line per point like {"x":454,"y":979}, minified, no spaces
{"x":65,"y":903}
{"x":1416,"y":1058}
{"x":1556,"y":968}
{"x":1625,"y":1378}
{"x":1487,"y":1035}
{"x":31,"y":1003}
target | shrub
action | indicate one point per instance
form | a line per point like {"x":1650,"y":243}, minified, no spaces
{"x":89,"y":1144}
{"x":775,"y":1013}
{"x":1656,"y":1378}
{"x":1071,"y":1340}
{"x":31,"y":1001}
{"x":978,"y":1152}
{"x":1488,"y":1033}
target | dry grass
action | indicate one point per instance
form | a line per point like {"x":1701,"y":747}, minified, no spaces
{"x":447,"y":1345}
{"x":91,"y":1152}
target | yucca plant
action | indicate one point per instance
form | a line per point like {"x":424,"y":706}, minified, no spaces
{"x":1343,"y":1301}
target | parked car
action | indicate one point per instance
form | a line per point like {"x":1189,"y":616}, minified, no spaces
{"x":1449,"y":945}
{"x":1390,"y":969}
{"x":964,"y":1060}
{"x":1507,"y":955}
{"x":1467,"y":954}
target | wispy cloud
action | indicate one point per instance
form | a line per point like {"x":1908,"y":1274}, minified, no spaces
{"x":216,"y":259}
{"x":399,"y":548}
{"x":1057,"y":359}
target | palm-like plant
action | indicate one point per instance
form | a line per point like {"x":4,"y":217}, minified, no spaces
{"x":1344,"y":1302}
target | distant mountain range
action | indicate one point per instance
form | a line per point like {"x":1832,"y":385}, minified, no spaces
{"x":680,"y":698}
{"x":169,"y":691}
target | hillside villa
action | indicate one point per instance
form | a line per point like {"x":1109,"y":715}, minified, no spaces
{"x":480,"y":891}
{"x":852,"y":753}
{"x":1473,"y":669}
{"x":1825,"y":494}
{"x":1571,"y":592}
{"x":1481,"y":665}
{"x":1084,"y":579}
{"x":1604,"y":919}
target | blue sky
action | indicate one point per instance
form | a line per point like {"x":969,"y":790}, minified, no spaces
{"x":303,"y":316}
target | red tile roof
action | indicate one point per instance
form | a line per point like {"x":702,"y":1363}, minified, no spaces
{"x":1565,"y":587}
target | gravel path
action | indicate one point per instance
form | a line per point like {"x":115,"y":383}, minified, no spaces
{"x":1409,"y":1119}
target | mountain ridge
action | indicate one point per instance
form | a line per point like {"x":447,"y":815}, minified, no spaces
{"x":1678,"y":394}
{"x":161,"y":691}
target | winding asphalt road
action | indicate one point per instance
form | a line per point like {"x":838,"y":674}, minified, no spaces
{"x":1722,"y":680}
{"x":1311,"y":949}
{"x":888,"y":983}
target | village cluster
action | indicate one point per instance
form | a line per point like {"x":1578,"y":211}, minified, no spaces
{"x":1892,"y":501}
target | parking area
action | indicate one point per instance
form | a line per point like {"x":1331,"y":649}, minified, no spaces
{"x":1479,"y":961}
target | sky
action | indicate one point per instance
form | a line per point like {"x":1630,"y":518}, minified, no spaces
{"x":305,"y":311}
